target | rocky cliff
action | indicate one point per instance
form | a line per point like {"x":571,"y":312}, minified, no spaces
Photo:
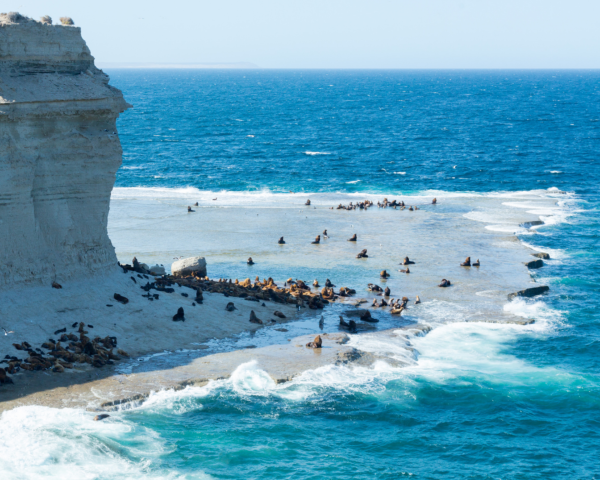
{"x":59,"y":154}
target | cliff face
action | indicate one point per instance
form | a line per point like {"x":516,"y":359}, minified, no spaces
{"x":59,"y":153}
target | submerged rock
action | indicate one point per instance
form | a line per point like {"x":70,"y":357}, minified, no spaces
{"x":529,"y":292}
{"x":539,"y":263}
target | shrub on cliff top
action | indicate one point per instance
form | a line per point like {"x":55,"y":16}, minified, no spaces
{"x":66,"y":21}
{"x":14,"y":17}
{"x":46,"y":19}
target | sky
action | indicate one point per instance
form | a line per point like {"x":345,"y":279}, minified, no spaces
{"x":335,"y":33}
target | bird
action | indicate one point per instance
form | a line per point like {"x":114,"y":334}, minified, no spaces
{"x":6,"y":332}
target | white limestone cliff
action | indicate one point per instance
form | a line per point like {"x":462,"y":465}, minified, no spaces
{"x":59,"y":154}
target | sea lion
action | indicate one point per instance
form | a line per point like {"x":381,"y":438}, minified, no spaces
{"x":384,"y":274}
{"x":374,"y":288}
{"x":230,"y":307}
{"x":366,"y":317}
{"x":476,"y":264}
{"x":281,"y":241}
{"x":350,"y":326}
{"x":383,"y":303}
{"x":307,"y":202}
{"x":466,"y":263}
{"x":417,"y":300}
{"x":325,"y":234}
{"x":62,"y":330}
{"x":121,"y":299}
{"x":250,"y":261}
{"x":434,"y":201}
{"x":316,"y":283}
{"x":179,"y":316}
{"x":407,"y":261}
{"x":328,"y":283}
{"x":277,"y":313}
{"x":4,"y":378}
{"x":254,"y":318}
{"x":375,"y":304}
{"x":352,"y":238}
{"x":196,"y":204}
{"x":190,"y":209}
{"x":316,"y":343}
{"x":445,"y":283}
{"x":386,"y":292}
{"x":56,"y":285}
{"x":404,"y":270}
{"x":317,"y":240}
{"x":363,"y":254}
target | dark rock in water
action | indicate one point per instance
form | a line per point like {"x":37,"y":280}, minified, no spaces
{"x":4,"y":378}
{"x":533,"y":223}
{"x":254,"y":318}
{"x":539,"y":263}
{"x":62,"y":330}
{"x":155,"y":296}
{"x":316,"y":343}
{"x":184,"y":294}
{"x":121,"y":299}
{"x":543,"y":255}
{"x":529,"y":292}
{"x":108,"y":305}
{"x":90,"y":326}
{"x":179,"y":316}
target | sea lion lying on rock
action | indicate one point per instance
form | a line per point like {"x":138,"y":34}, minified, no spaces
{"x":179,"y":316}
{"x":466,"y":263}
{"x":316,"y":343}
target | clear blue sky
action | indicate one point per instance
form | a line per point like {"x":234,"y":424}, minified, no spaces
{"x":336,"y":33}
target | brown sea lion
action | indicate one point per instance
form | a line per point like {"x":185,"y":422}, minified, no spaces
{"x":352,"y":238}
{"x":386,"y":292}
{"x":417,"y":300}
{"x":366,"y":317}
{"x":466,"y":263}
{"x":476,"y":264}
{"x":316,"y":343}
{"x":250,"y":261}
{"x":363,"y":254}
{"x":277,"y":313}
{"x":317,"y":240}
{"x":307,"y":202}
{"x":434,"y":201}
{"x":407,"y":261}
{"x":445,"y":283}
{"x":316,"y":283}
{"x":384,"y":274}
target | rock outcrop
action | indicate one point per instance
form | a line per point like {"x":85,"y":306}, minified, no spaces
{"x":59,"y":153}
{"x":529,"y":292}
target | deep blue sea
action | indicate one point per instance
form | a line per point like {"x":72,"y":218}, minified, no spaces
{"x":510,"y":402}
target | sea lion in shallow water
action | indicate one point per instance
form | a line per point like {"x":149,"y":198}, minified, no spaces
{"x":179,"y":316}
{"x":316,"y":283}
{"x":317,"y":240}
{"x":366,"y":317}
{"x":407,"y":261}
{"x":386,"y":292}
{"x":384,"y":274}
{"x":417,"y":300}
{"x":445,"y":283}
{"x":250,"y":261}
{"x":476,"y":264}
{"x":352,"y":238}
{"x":254,"y":318}
{"x":281,"y":241}
{"x":466,"y":263}
{"x":190,"y":209}
{"x":363,"y":254}
{"x":307,"y":202}
{"x":325,"y":234}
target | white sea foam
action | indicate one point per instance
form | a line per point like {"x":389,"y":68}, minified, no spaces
{"x":355,"y":181}
{"x":317,"y":153}
{"x":399,"y":173}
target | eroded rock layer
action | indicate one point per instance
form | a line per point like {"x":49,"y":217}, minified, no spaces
{"x":59,"y":154}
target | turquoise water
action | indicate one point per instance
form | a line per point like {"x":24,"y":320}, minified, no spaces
{"x":475,"y":400}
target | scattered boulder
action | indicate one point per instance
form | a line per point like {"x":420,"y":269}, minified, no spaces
{"x":543,"y":255}
{"x":529,"y":292}
{"x":102,"y":416}
{"x":189,"y":266}
{"x":157,"y":270}
{"x":539,"y":263}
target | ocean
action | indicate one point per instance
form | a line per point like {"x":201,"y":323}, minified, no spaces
{"x":481,"y":396}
